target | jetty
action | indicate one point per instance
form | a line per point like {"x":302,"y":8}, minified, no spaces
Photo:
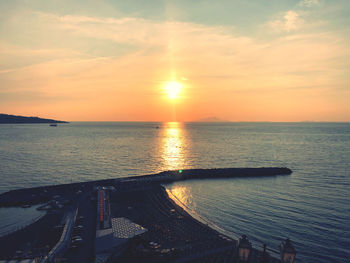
{"x":130,"y":219}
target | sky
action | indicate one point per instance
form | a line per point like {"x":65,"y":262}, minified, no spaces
{"x":237,"y":60}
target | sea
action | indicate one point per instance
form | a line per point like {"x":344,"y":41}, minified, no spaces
{"x":311,"y":206}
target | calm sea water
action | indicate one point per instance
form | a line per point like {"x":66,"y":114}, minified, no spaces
{"x":311,"y":206}
{"x":14,"y":218}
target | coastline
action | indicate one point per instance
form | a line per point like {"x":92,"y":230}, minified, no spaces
{"x":14,"y":119}
{"x":172,"y":228}
{"x":180,"y":237}
{"x":212,"y":225}
{"x":198,"y":217}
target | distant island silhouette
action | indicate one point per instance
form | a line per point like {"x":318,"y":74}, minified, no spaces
{"x":211,"y":119}
{"x":7,"y":119}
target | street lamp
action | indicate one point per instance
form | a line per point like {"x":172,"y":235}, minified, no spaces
{"x":287,"y":252}
{"x":244,"y":247}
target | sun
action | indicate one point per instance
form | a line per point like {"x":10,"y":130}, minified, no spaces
{"x":173,"y":89}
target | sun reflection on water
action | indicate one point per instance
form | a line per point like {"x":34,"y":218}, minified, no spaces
{"x":183,"y":195}
{"x":173,"y":146}
{"x":173,"y":150}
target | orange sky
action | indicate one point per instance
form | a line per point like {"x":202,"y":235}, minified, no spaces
{"x":113,"y":65}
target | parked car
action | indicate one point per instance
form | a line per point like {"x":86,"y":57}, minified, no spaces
{"x":76,"y":238}
{"x":74,"y":246}
{"x":76,"y":242}
{"x":78,"y":227}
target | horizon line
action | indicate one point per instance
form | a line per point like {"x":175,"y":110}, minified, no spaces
{"x":218,"y":121}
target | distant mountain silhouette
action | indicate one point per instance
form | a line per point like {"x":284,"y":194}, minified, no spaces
{"x":5,"y":118}
{"x":211,"y":119}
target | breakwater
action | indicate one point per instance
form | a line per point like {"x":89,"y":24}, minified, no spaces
{"x":41,"y":194}
{"x":217,"y":173}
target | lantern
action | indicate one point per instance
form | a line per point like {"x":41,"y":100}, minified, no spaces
{"x":287,"y":252}
{"x":244,"y":247}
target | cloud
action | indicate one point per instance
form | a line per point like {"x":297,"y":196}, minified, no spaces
{"x":122,"y":30}
{"x":184,"y":47}
{"x":222,"y":67}
{"x":290,"y":21}
{"x":309,"y":3}
{"x":15,"y":57}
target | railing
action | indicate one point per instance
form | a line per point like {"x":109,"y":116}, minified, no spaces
{"x":63,"y":243}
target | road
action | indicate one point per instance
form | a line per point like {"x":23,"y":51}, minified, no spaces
{"x":85,"y":253}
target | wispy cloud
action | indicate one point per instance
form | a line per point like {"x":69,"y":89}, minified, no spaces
{"x":189,"y":46}
{"x":289,"y":21}
{"x":309,"y":3}
{"x":15,"y":57}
